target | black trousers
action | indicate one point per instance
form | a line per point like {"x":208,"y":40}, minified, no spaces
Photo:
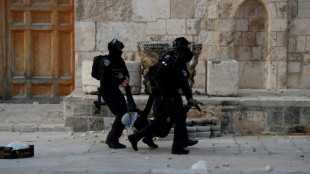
{"x":116,"y":102}
{"x":167,"y":110}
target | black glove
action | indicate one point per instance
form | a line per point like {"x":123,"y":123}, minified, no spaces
{"x":192,"y":102}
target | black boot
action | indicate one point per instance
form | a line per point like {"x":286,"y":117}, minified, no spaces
{"x":190,"y":143}
{"x":115,"y":144}
{"x":133,"y":141}
{"x":149,"y":142}
{"x":179,"y":151}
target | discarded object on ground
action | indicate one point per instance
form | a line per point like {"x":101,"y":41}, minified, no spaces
{"x":9,"y":153}
{"x":200,"y":165}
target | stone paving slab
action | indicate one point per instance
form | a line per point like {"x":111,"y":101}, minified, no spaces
{"x":60,"y":152}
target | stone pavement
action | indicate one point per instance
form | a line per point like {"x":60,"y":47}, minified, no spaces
{"x":32,"y":117}
{"x":60,"y":152}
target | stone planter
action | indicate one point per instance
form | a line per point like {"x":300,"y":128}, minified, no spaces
{"x":150,"y":51}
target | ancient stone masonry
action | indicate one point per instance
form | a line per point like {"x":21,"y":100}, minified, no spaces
{"x":262,"y":45}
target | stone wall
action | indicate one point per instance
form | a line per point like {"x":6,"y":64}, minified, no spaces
{"x":299,"y":45}
{"x":269,"y":38}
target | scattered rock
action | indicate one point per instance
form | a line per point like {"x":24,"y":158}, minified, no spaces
{"x":167,"y":165}
{"x":268,"y":168}
{"x":112,"y":151}
{"x":2,"y":109}
{"x":84,"y":134}
{"x":37,"y":136}
{"x":20,"y":133}
{"x":147,"y":158}
{"x":228,"y":146}
{"x":302,"y":155}
{"x":217,"y":167}
{"x":101,"y":141}
{"x":225,"y":165}
{"x":71,"y":133}
{"x":35,"y":103}
{"x":254,"y":149}
{"x":49,"y":140}
{"x":169,"y":158}
{"x":213,"y":144}
{"x":73,"y":137}
{"x":7,"y":121}
{"x":246,"y":142}
{"x":143,"y":152}
{"x":85,"y":138}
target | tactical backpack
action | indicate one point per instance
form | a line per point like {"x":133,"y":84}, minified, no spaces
{"x":96,"y":66}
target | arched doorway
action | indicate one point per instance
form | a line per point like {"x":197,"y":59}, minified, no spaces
{"x":251,"y":44}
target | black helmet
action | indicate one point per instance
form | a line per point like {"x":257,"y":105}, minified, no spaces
{"x":180,"y":41}
{"x":115,"y":46}
{"x":183,"y":54}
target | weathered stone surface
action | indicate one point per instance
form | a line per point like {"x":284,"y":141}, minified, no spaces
{"x":222,"y":78}
{"x":176,"y":26}
{"x":225,"y":25}
{"x":207,"y":24}
{"x":203,"y":134}
{"x":85,"y":34}
{"x":226,"y":53}
{"x":79,"y":124}
{"x":306,"y":59}
{"x":96,"y":123}
{"x":182,"y":9}
{"x":243,"y":53}
{"x":158,"y":27}
{"x":303,"y":9}
{"x":90,"y":84}
{"x":291,"y":115}
{"x":103,"y":10}
{"x":225,"y":9}
{"x":293,"y":67}
{"x":109,"y":30}
{"x":258,"y":25}
{"x":305,"y":116}
{"x":292,"y":44}
{"x":150,"y":10}
{"x":301,"y":43}
{"x":282,"y":39}
{"x":278,"y":24}
{"x":242,"y":25}
{"x":253,"y":122}
{"x":248,"y":38}
{"x":212,"y":9}
{"x":300,"y":26}
{"x":201,"y":9}
{"x":257,"y":53}
{"x":253,"y":74}
{"x":226,"y":38}
{"x":192,"y":26}
{"x":207,"y":37}
{"x":275,"y":116}
{"x":278,"y":53}
{"x":250,"y":12}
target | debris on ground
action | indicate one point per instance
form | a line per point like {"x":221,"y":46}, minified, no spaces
{"x":199,"y":165}
{"x":268,"y":168}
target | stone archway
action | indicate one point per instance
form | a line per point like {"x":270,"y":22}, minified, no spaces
{"x":251,"y":44}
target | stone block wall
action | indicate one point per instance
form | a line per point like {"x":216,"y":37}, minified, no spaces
{"x":299,"y":45}
{"x":269,"y":38}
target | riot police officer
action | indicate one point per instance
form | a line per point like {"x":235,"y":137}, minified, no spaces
{"x":167,"y":76}
{"x":113,"y":72}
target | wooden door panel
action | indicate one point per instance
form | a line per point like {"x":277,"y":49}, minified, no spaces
{"x":41,"y":43}
{"x":41,"y":18}
{"x":65,"y":67}
{"x":40,"y":59}
{"x":18,"y":53}
{"x":19,"y":90}
{"x":41,"y":90}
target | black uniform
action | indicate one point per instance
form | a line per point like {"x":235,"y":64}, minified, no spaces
{"x":167,"y":76}
{"x":113,"y":72}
